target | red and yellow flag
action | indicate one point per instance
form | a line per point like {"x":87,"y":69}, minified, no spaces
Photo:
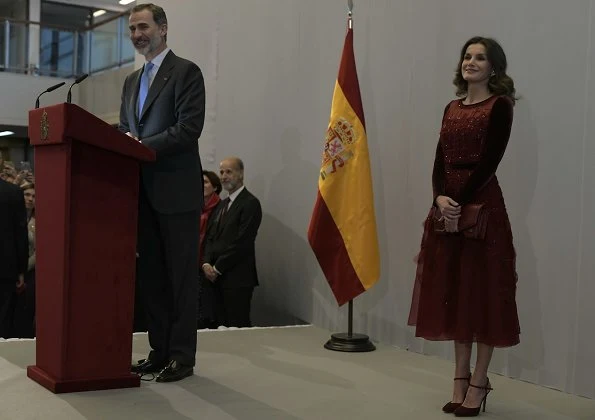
{"x":342,"y":230}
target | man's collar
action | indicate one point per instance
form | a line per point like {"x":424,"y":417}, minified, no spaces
{"x":158,"y":59}
{"x":235,"y":194}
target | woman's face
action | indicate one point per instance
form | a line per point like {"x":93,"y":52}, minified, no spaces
{"x":29,"y":198}
{"x":207,"y":186}
{"x":475,"y":67}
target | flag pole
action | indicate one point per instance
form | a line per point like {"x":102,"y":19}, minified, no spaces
{"x":350,"y":13}
{"x":350,"y":311}
{"x":350,"y":319}
{"x":346,"y":342}
{"x":350,"y":341}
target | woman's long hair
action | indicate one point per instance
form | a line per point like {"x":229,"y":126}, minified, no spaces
{"x":498,"y":84}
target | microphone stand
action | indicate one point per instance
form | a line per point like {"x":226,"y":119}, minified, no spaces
{"x":76,"y":82}
{"x":50,"y":89}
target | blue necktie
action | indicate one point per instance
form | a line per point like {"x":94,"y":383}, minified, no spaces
{"x":145,"y":81}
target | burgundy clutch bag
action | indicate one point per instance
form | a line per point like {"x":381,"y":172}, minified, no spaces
{"x":472,"y":223}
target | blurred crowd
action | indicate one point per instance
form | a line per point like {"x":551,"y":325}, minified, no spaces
{"x":20,"y":319}
{"x":9,"y":173}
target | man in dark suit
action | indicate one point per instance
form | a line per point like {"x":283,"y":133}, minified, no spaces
{"x":14,"y":250}
{"x":163,"y":107}
{"x":229,"y":259}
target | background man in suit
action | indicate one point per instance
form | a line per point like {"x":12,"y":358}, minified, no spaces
{"x":229,"y":259}
{"x":14,"y":250}
{"x":163,"y":107}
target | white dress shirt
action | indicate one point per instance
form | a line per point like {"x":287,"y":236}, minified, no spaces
{"x":157,"y":61}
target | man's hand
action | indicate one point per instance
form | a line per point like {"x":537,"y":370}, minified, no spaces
{"x":21,"y":281}
{"x":129,"y":134}
{"x":210,"y":272}
{"x":20,"y":284}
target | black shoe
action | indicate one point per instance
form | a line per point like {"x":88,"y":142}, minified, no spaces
{"x":175,"y":371}
{"x":147,"y":366}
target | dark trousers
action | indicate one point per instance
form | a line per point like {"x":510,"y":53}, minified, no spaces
{"x":233,"y":306}
{"x":7,"y":297}
{"x":206,"y":303}
{"x":167,"y":280}
{"x":140,"y":317}
{"x":24,"y":309}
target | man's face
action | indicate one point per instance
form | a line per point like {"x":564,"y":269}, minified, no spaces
{"x":30,"y":198}
{"x":145,"y":34}
{"x":231,"y":176}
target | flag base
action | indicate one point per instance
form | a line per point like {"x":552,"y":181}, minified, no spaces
{"x":349,"y":343}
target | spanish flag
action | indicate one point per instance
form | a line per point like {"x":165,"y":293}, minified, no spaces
{"x":342,"y":231}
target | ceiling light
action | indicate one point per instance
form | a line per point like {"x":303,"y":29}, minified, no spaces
{"x":98,"y":13}
{"x":6,"y":133}
{"x":123,"y":2}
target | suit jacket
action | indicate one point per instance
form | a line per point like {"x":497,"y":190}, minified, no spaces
{"x":170,"y":123}
{"x":14,"y":244}
{"x":230,"y":244}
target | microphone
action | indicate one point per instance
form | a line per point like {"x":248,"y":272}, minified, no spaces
{"x":48,"y":90}
{"x":76,"y":82}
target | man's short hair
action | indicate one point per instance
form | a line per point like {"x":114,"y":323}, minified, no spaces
{"x":158,"y":13}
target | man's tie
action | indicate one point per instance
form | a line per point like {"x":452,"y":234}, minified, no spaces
{"x":145,"y":81}
{"x":225,"y":205}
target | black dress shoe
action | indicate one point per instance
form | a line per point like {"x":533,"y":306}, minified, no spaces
{"x":175,"y":371}
{"x":148,"y":366}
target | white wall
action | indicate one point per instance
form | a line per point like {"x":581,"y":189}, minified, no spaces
{"x":270,"y":67}
{"x":18,"y":93}
{"x":101,"y":93}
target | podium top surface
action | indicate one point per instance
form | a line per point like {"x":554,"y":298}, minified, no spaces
{"x":64,"y":123}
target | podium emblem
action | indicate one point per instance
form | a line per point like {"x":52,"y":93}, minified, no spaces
{"x":45,"y":126}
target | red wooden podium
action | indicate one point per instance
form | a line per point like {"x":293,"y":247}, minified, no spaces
{"x":87,"y":179}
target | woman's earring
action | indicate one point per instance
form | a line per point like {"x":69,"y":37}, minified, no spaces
{"x":493,"y":73}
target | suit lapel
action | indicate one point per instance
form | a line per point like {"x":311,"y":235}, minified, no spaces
{"x":233,"y":209}
{"x":159,"y":81}
{"x":135,"y":84}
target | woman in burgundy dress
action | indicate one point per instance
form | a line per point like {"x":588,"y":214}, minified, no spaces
{"x":465,"y":286}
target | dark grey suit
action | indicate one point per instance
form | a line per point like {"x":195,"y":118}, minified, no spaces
{"x":14,"y":249}
{"x":230,"y":247}
{"x":170,"y":202}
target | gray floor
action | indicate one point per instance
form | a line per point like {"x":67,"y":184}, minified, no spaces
{"x":280,"y":373}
